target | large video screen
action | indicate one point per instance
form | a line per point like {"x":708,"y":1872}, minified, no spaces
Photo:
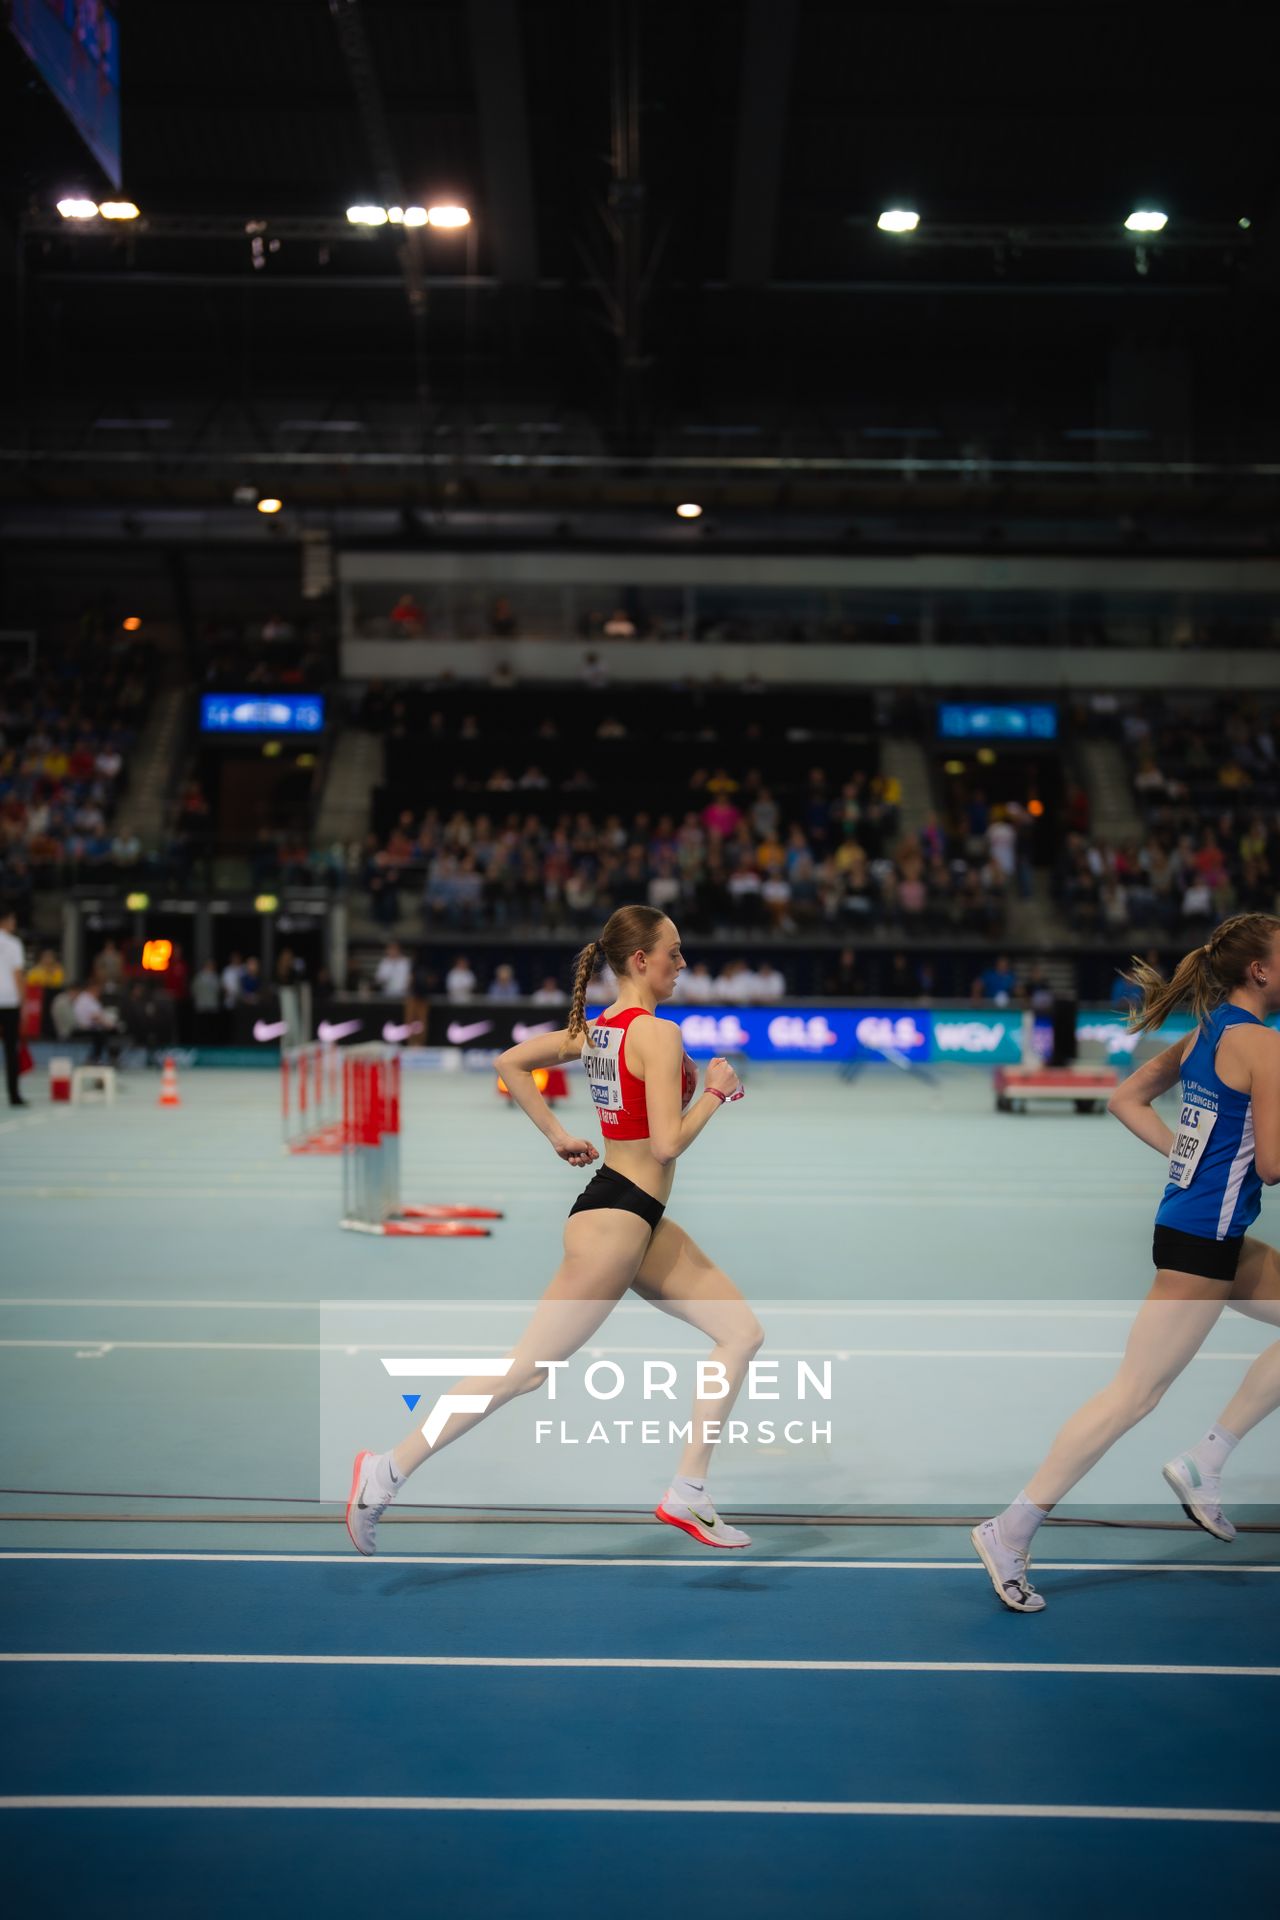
{"x":76,"y":46}
{"x":261,"y":713}
{"x":980,"y":720}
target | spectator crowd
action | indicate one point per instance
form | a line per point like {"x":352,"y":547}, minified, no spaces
{"x":67,"y":726}
{"x":1205,"y":780}
{"x":738,"y":858}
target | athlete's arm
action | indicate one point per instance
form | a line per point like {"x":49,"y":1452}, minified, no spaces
{"x":517,"y":1067}
{"x":661,"y":1054}
{"x":544,"y":1050}
{"x":1131,"y":1101}
{"x":1264,"y":1096}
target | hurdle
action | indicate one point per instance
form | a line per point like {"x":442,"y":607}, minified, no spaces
{"x":371,"y":1113}
{"x":311,"y":1098}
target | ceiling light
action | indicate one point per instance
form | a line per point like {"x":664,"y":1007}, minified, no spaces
{"x":898,"y":220}
{"x":448,"y":217}
{"x":1147,"y":220}
{"x":78,"y":209}
{"x":689,"y":510}
{"x":415,"y":216}
{"x":118,"y":210}
{"x":367,"y":216}
{"x":396,"y":216}
{"x":132,"y":623}
{"x":1244,"y":223}
{"x":270,"y":506}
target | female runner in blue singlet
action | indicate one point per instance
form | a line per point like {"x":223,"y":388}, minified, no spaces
{"x":617,"y":1235}
{"x":1224,"y":1150}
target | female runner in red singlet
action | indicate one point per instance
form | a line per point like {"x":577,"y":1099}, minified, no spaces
{"x":617,"y":1235}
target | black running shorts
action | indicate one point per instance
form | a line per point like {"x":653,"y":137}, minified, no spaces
{"x":610,"y":1189}
{"x":1192,"y":1253}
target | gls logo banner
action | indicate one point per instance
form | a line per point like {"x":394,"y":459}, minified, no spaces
{"x":804,"y":1034}
{"x":891,"y":1033}
{"x":710,"y":1032}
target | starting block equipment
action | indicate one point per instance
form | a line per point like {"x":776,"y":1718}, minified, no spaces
{"x":1088,"y":1089}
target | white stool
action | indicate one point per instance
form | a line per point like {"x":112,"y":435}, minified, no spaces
{"x":93,"y":1083}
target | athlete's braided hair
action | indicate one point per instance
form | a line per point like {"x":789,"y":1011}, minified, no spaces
{"x":629,"y":930}
{"x":1205,"y":976}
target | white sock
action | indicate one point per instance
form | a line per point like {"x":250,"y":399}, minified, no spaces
{"x":1017,"y":1524}
{"x":688,"y":1490}
{"x":385,"y":1477}
{"x":1212,"y":1452}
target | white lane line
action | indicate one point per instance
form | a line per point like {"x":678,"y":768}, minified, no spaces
{"x":908,"y":1310}
{"x":845,"y":1353}
{"x":276,"y":1191}
{"x":847,"y":1809}
{"x":973,"y":1565}
{"x":577,"y":1663}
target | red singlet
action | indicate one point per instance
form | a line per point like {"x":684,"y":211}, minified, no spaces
{"x":619,"y":1096}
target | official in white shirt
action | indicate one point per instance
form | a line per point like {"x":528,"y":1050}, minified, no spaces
{"x":13,"y":967}
{"x":392,"y":973}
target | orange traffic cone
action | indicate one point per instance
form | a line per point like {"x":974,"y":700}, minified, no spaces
{"x":169,"y":1084}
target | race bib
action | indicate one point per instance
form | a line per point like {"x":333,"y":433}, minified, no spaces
{"x":1191,"y":1137}
{"x":602,"y":1058}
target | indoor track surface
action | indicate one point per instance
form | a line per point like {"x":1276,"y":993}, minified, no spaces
{"x":210,"y":1705}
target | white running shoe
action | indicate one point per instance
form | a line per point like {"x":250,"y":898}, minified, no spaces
{"x":1008,"y":1570}
{"x":702,"y":1521}
{"x":1199,"y":1495}
{"x":366,"y":1504}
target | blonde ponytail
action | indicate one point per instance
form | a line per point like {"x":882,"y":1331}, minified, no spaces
{"x":1204,"y":977}
{"x":583,"y":968}
{"x":1192,"y":981}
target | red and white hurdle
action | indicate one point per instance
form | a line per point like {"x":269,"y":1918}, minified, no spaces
{"x":311,"y":1098}
{"x":371,"y":1157}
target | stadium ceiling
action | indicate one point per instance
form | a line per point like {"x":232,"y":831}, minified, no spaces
{"x":673,"y":271}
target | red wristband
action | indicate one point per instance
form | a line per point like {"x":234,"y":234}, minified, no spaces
{"x":721,"y":1097}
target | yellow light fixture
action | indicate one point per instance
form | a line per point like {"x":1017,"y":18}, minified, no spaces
{"x":270,"y":505}
{"x":137,"y":902}
{"x":132,"y":624}
{"x":448,"y":217}
{"x":689,"y":510}
{"x":73,"y":209}
{"x":266,"y":902}
{"x":118,"y":210}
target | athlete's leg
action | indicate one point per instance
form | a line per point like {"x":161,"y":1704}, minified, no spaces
{"x":1256,"y":1293}
{"x":677,"y":1277}
{"x":602,"y":1250}
{"x":1172,"y":1325}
